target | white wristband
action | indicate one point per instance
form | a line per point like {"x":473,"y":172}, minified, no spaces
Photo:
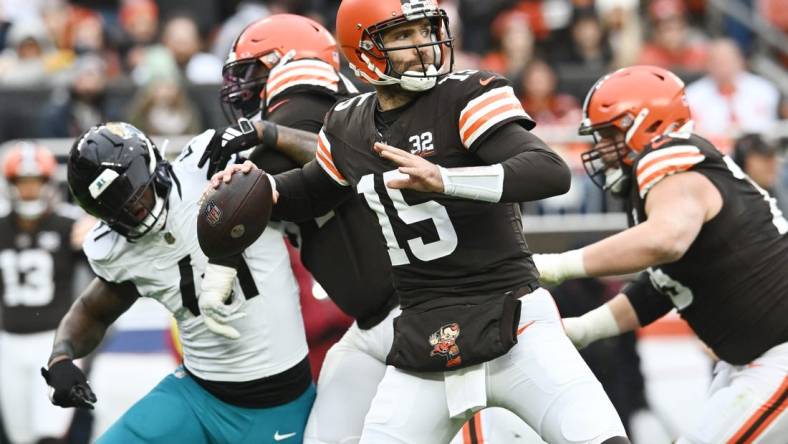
{"x":217,"y":281}
{"x":592,"y":326}
{"x":555,"y":268}
{"x":273,"y":183}
{"x":483,"y":183}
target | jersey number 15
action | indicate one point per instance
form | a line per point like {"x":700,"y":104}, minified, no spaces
{"x":409,"y":214}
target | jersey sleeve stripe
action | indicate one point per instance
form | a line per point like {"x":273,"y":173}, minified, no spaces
{"x":675,"y":159}
{"x":301,"y":72}
{"x":487,"y":121}
{"x":326,"y":160}
{"x":662,"y":153}
{"x":487,"y":110}
{"x":301,"y":75}
{"x":665,"y":168}
{"x":475,"y":105}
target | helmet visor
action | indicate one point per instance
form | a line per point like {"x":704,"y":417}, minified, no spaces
{"x":242,"y":86}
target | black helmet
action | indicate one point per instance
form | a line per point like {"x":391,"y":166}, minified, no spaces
{"x":117,"y":174}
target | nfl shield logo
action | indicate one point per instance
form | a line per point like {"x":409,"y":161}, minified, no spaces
{"x":213,"y":214}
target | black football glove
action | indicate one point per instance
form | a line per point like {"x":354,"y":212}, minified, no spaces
{"x":69,"y":385}
{"x":226,"y":142}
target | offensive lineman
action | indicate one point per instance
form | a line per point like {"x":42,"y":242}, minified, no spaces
{"x":284,"y":69}
{"x":460,"y":264}
{"x":257,"y":389}
{"x":713,"y":243}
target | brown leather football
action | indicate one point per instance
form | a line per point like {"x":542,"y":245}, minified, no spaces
{"x":234,"y":215}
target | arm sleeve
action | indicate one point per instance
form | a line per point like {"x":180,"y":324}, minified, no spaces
{"x":307,"y":193}
{"x":532,"y":171}
{"x":301,"y":111}
{"x":648,"y":302}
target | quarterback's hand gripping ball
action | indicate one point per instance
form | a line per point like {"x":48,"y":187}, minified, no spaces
{"x":233,"y":215}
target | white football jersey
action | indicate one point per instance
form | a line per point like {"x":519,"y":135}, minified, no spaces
{"x":168,"y":266}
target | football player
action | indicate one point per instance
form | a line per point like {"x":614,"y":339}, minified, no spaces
{"x":459,"y":142}
{"x":284,"y":69}
{"x":39,"y":254}
{"x":713,"y":244}
{"x":255,"y":389}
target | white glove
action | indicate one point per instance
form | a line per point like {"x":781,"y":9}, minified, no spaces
{"x":556,"y":268}
{"x":592,"y":326}
{"x":216,"y":287}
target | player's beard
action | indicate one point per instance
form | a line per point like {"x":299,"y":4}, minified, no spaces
{"x":396,"y":94}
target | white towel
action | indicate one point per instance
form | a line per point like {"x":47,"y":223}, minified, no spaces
{"x":466,"y":389}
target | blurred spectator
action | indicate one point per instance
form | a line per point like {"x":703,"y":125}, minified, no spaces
{"x":729,"y":100}
{"x":24,"y":62}
{"x":540,"y":99}
{"x":248,"y":11}
{"x":89,"y":38}
{"x":82,"y":105}
{"x":586,"y":47}
{"x":671,"y":45}
{"x":514,"y":44}
{"x":139,"y":21}
{"x":20,"y":10}
{"x":163,"y":107}
{"x":621,"y":22}
{"x":462,"y":59}
{"x":758,"y":158}
{"x":477,"y":17}
{"x":181,"y":36}
{"x":58,"y":19}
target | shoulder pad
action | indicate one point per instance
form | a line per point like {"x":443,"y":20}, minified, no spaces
{"x":485,"y":101}
{"x":664,"y":161}
{"x":311,"y":73}
{"x":191,"y":153}
{"x":101,"y":246}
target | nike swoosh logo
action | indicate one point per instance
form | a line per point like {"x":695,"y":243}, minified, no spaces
{"x":485,"y":82}
{"x":522,"y":329}
{"x":278,"y":437}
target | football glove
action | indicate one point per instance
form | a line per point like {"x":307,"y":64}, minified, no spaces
{"x":69,"y":386}
{"x":224,"y":143}
{"x":556,"y":268}
{"x":215,"y":289}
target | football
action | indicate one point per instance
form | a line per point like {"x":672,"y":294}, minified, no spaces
{"x":234,"y":215}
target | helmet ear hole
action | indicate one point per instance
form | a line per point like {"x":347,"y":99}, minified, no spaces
{"x":654,"y":126}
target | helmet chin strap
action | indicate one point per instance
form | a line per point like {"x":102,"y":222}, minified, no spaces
{"x":419,"y":81}
{"x":156,"y":219}
{"x":30,"y":209}
{"x":416,"y":81}
{"x":616,"y":181}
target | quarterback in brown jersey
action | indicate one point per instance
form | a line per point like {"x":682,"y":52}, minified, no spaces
{"x":442,"y":160}
{"x":712,"y":242}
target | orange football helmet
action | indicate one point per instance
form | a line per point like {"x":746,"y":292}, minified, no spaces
{"x":24,"y":159}
{"x":359,"y":27}
{"x":627,"y":110}
{"x":259,"y":48}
